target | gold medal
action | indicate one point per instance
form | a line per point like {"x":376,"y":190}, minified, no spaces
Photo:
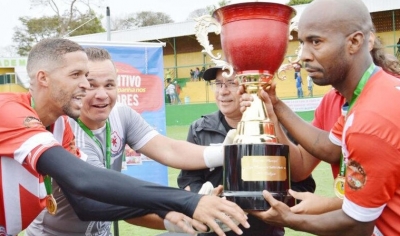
{"x":51,"y":204}
{"x":338,"y":186}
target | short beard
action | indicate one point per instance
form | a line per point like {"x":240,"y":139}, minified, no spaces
{"x":70,"y":112}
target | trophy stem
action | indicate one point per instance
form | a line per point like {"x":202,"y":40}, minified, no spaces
{"x":255,"y":126}
{"x":256,"y":111}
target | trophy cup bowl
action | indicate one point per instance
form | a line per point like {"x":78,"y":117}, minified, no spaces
{"x":254,"y":39}
{"x":254,"y":35}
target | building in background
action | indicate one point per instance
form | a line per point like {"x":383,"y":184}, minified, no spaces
{"x":182,"y":52}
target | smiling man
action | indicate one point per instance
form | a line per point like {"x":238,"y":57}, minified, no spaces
{"x":213,"y":128}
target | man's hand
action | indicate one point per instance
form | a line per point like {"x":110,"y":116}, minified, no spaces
{"x":276,"y":215}
{"x":212,"y":208}
{"x":208,"y":189}
{"x":270,"y":91}
{"x":313,"y":204}
{"x":245,"y":101}
{"x":183,"y":224}
{"x":267,"y":95}
{"x":217,"y":191}
{"x":335,"y":222}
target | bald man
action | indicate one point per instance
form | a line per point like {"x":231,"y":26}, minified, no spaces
{"x":336,"y":52}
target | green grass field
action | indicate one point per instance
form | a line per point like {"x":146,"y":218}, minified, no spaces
{"x":322,"y":175}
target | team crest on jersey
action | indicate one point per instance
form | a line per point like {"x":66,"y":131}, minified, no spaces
{"x":116,"y":142}
{"x":32,"y":122}
{"x":355,"y":175}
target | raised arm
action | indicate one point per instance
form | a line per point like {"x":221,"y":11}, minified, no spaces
{"x":132,"y":192}
{"x":312,"y":139}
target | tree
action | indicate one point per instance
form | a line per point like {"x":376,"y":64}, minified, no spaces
{"x":197,"y":13}
{"x":147,"y":18}
{"x":69,"y":18}
{"x":8,"y":51}
{"x":35,"y":29}
{"x":88,"y":23}
{"x":221,"y":3}
{"x":298,"y":2}
{"x":32,"y":31}
{"x":208,"y":10}
{"x":122,"y":22}
{"x":140,"y":19}
{"x":67,"y":11}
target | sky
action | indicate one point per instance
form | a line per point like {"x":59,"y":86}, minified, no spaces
{"x":178,"y":10}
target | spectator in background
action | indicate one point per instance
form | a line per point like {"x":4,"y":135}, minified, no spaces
{"x":297,"y":69}
{"x":201,"y":73}
{"x":170,"y":91}
{"x":168,"y":75}
{"x":310,"y":86}
{"x":191,"y":75}
{"x":299,"y":83}
{"x":196,"y":74}
{"x":177,"y":92}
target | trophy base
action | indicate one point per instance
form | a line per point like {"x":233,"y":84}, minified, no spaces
{"x":255,"y":200}
{"x":251,"y":168}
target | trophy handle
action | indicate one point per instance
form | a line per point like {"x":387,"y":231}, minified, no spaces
{"x":283,"y":68}
{"x":289,"y":65}
{"x":201,"y":32}
{"x":294,"y":26}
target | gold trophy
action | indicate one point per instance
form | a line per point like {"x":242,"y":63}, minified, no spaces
{"x":254,"y":39}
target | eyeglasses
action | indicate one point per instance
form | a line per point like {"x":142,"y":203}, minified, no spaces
{"x":230,"y":85}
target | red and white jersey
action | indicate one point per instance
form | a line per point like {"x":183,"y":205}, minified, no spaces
{"x":326,"y":115}
{"x":23,"y":138}
{"x":370,"y":137}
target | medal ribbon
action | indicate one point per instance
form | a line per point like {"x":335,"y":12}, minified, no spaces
{"x":46,"y":178}
{"x":108,"y":140}
{"x":347,"y":107}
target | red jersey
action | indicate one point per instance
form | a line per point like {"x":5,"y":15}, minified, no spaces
{"x":326,"y":115}
{"x":23,"y":138}
{"x":371,"y":149}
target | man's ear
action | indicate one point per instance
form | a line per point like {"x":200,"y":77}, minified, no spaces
{"x":356,"y":41}
{"x":41,"y":78}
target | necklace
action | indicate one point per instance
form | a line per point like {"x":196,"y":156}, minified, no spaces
{"x":96,"y":140}
{"x":339,"y":183}
{"x":51,"y":203}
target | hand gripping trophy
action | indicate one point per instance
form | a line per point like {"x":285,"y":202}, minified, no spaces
{"x":254,"y":39}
